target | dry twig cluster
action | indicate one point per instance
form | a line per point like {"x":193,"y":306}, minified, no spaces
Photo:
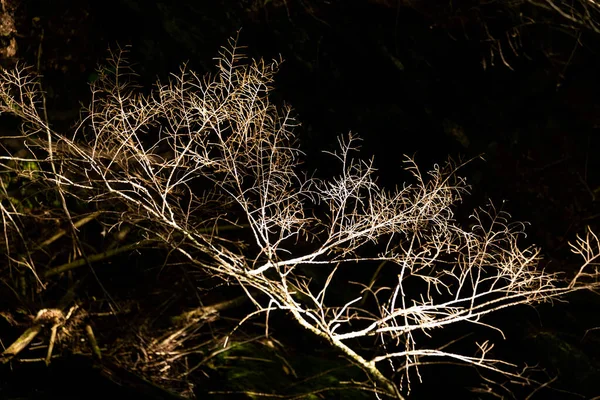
{"x":200,"y":152}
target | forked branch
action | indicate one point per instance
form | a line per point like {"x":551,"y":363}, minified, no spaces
{"x":202,"y":151}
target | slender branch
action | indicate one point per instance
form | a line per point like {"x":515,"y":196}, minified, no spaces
{"x":95,"y":258}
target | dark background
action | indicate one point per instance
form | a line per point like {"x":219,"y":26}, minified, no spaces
{"x":512,"y":82}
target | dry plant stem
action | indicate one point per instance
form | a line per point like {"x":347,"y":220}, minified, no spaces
{"x":94,"y":258}
{"x":62,"y":232}
{"x":51,"y":344}
{"x":93,"y":343}
{"x":21,"y":343}
{"x":583,"y":13}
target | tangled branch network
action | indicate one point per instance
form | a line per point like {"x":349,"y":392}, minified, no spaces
{"x":200,"y":151}
{"x":580,"y":13}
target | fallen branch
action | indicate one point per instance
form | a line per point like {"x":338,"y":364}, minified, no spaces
{"x":95,"y":258}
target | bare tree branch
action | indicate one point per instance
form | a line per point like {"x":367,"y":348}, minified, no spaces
{"x":198,"y":152}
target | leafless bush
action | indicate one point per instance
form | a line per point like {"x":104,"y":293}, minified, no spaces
{"x":200,"y":152}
